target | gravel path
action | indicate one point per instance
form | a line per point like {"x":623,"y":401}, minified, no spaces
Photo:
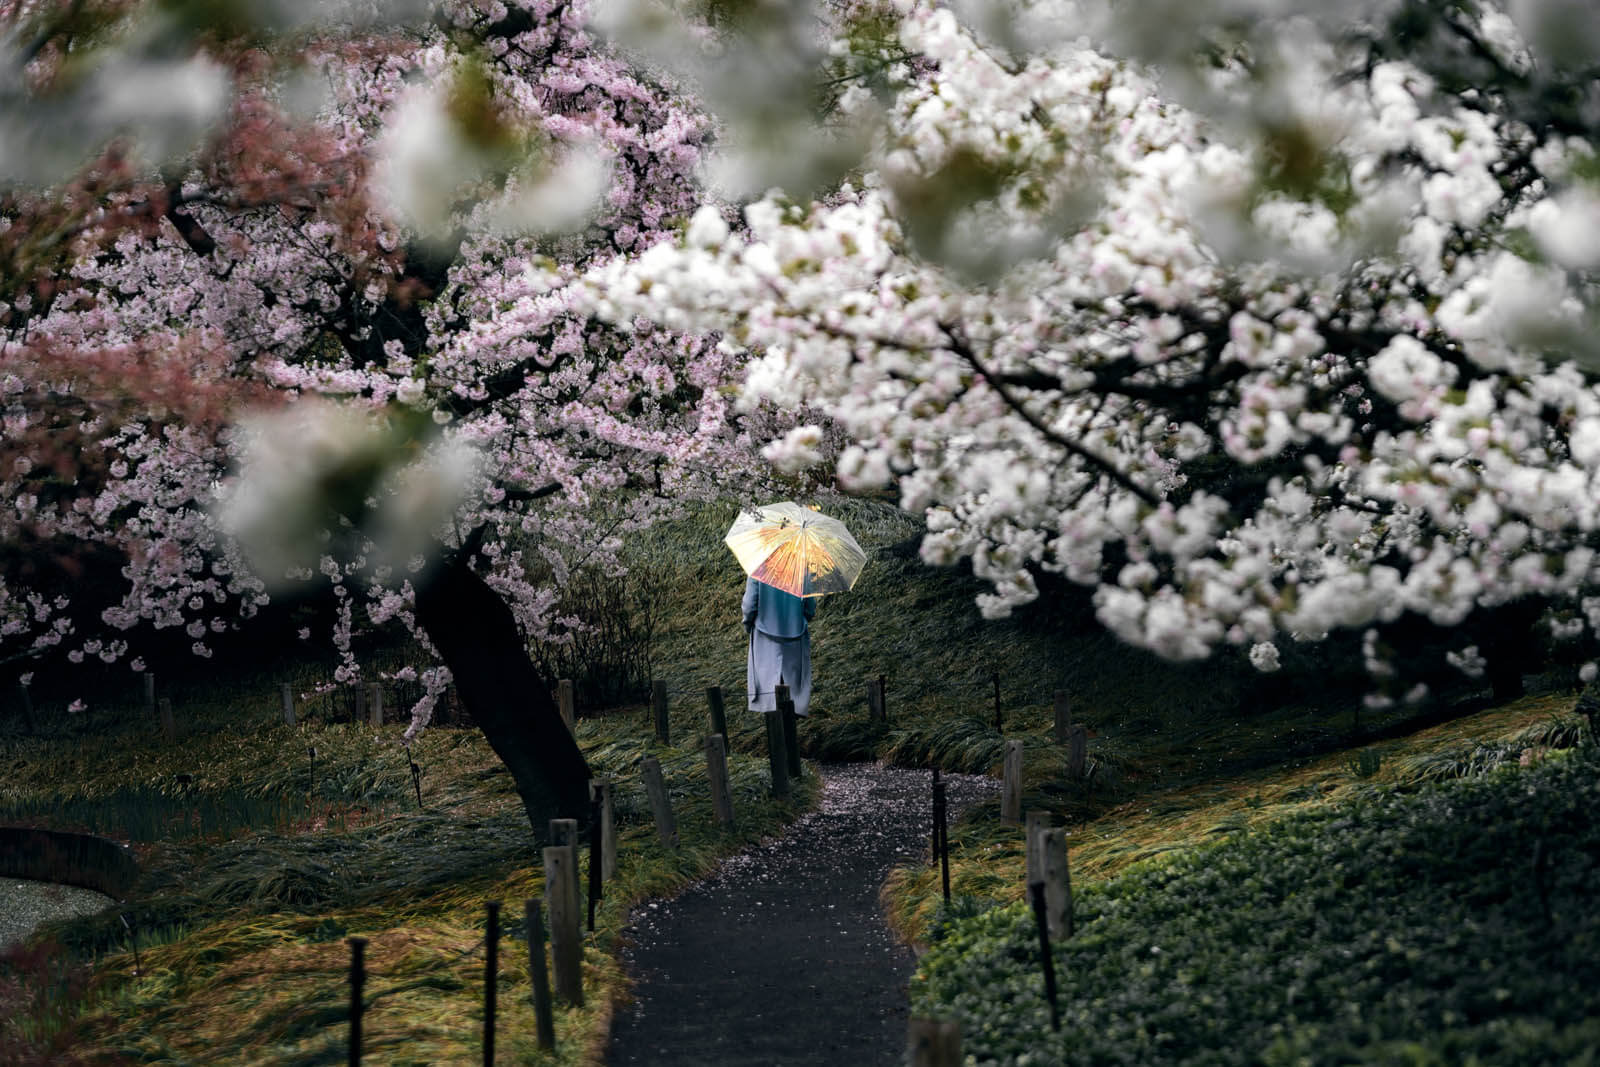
{"x":782,"y":958}
{"x":24,"y":904}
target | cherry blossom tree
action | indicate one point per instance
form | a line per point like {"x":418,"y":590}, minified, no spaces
{"x":1265,"y":320}
{"x":1260,"y":319}
{"x":311,"y":326}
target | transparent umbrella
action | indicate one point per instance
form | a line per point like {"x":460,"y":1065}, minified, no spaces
{"x":795,"y":549}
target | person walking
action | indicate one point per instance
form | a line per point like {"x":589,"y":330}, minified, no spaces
{"x":779,"y":625}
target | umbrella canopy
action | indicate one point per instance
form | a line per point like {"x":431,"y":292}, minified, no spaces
{"x":795,"y":549}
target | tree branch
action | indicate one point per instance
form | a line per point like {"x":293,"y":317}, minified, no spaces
{"x":961,"y":348}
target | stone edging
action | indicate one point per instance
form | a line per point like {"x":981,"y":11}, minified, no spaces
{"x":70,"y":859}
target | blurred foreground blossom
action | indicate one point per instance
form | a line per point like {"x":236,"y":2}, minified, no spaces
{"x":318,"y":472}
{"x":429,"y":162}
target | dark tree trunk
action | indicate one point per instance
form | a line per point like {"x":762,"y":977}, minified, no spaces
{"x":1508,"y":646}
{"x":477,"y":637}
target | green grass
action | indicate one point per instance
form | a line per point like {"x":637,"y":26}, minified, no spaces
{"x":241,"y":916}
{"x":1442,"y":924}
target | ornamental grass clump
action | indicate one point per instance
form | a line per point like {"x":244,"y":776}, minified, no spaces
{"x":1445,"y":925}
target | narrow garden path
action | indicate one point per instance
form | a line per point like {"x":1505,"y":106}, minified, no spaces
{"x":782,"y":958}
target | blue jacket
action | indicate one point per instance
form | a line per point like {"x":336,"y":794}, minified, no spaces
{"x":774,"y":612}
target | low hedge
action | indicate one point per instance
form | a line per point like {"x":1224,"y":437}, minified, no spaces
{"x":1453,"y":924}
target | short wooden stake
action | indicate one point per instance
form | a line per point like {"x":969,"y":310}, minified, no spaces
{"x":660,"y":803}
{"x":1057,"y":881}
{"x":883,"y":697}
{"x":1063,"y":715}
{"x":377,"y":704}
{"x":565,"y":832}
{"x":1077,"y":751}
{"x":567,"y":702}
{"x":150,"y":692}
{"x":658,"y":701}
{"x":358,"y":978}
{"x":286,"y":695}
{"x":560,"y":900}
{"x":360,"y":711}
{"x":539,"y":973}
{"x":1011,"y":787}
{"x":719,"y":715}
{"x":133,"y":942}
{"x":491,"y":975}
{"x":717,"y":772}
{"x":933,"y":1043}
{"x":1047,"y":962}
{"x":169,"y":722}
{"x":603,"y":790}
{"x":416,"y":778}
{"x":776,"y":759}
{"x":596,"y":886}
{"x":791,"y":731}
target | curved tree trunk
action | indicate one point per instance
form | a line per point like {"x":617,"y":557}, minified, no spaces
{"x":477,"y":636}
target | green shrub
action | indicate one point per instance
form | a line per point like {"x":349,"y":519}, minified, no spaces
{"x":1364,"y":763}
{"x":1452,"y":924}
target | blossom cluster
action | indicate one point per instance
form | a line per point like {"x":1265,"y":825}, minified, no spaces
{"x":1288,"y":370}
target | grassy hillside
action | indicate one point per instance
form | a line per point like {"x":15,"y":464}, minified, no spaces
{"x":1445,"y":923}
{"x":1150,"y":722}
{"x":255,"y":874}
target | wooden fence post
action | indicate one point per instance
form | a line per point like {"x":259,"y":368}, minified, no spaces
{"x":776,"y":759}
{"x":1063,"y":716}
{"x":1077,"y":751}
{"x":169,"y":722}
{"x":286,"y":694}
{"x":658,"y":701}
{"x":377,"y":704}
{"x":150,"y":693}
{"x":565,"y":832}
{"x":883,"y":697}
{"x":941,"y":833}
{"x":358,"y":978}
{"x":360,"y":711}
{"x":1011,"y":787}
{"x":933,"y":1043}
{"x":561,"y":901}
{"x":567,"y":701}
{"x":539,"y":973}
{"x":717,"y":772}
{"x":791,"y":731}
{"x":719,"y":716}
{"x":491,"y":975}
{"x":1034,"y":823}
{"x":603,"y":789}
{"x":1057,"y":879}
{"x":660,"y":803}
